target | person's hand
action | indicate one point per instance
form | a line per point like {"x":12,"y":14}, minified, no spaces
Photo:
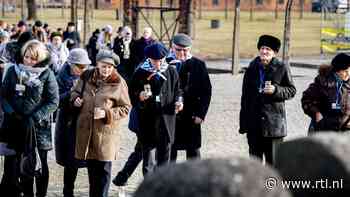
{"x":197,"y":120}
{"x":108,"y":104}
{"x":178,"y":107}
{"x":78,"y":102}
{"x":99,"y":113}
{"x":318,"y":117}
{"x":143,"y":96}
{"x":269,"y":89}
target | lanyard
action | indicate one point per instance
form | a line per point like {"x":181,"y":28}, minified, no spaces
{"x":339,"y":85}
{"x":261,"y":78}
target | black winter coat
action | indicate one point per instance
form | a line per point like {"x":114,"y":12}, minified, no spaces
{"x":127,"y":66}
{"x":266,"y":113}
{"x":196,"y":86}
{"x":38,"y":103}
{"x":321,"y":95}
{"x":151,"y":111}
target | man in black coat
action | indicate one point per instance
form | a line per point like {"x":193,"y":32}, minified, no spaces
{"x":154,"y":92}
{"x":267,"y":84}
{"x":196,"y":86}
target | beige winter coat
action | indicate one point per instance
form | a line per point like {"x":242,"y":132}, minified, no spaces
{"x":99,"y":139}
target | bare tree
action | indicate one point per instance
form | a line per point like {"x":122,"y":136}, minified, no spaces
{"x":301,"y":6}
{"x":251,"y":8}
{"x":235,"y":40}
{"x":3,"y":8}
{"x":88,"y":4}
{"x":287,"y":30}
{"x":276,"y":9}
{"x":185,"y":21}
{"x":74,"y":11}
{"x":32,"y":14}
{"x":126,"y":12}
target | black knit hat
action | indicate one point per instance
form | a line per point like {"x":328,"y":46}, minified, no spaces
{"x":341,"y":62}
{"x":156,"y":51}
{"x":269,"y":41}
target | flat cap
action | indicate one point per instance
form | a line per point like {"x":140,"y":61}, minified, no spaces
{"x":78,"y":56}
{"x":182,"y":40}
{"x":108,"y":56}
{"x":156,"y":51}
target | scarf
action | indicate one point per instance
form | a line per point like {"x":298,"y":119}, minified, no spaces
{"x":147,"y":66}
{"x":171,"y":59}
{"x":29,"y":75}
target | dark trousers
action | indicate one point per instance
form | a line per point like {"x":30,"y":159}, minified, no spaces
{"x":260,"y":146}
{"x":159,"y":153}
{"x":190,"y":154}
{"x":99,"y":177}
{"x":41,"y":181}
{"x":133,"y":160}
{"x":10,"y":179}
{"x":69,"y":176}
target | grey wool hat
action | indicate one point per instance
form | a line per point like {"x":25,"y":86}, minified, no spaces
{"x":182,"y":40}
{"x":78,"y":56}
{"x":108,"y":56}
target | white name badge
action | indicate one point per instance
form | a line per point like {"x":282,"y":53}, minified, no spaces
{"x":20,"y":88}
{"x":157,"y":98}
{"x":335,"y":106}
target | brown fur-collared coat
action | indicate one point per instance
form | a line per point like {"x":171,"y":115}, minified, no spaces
{"x":100,"y":139}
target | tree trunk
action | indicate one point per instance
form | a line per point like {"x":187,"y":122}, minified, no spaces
{"x":73,"y":11}
{"x":185,"y":17}
{"x":88,"y":4}
{"x":31,"y":5}
{"x":226,"y":9}
{"x":251,"y":5}
{"x":235,"y":40}
{"x":127,"y":13}
{"x":287,"y":31}
{"x":301,"y":4}
{"x":276,"y":10}
{"x":134,"y":19}
{"x":22,"y":10}
{"x":3,"y":9}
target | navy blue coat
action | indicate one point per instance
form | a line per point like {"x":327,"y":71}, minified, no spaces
{"x":65,"y":133}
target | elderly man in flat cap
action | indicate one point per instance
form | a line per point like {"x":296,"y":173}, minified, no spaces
{"x":267,"y":84}
{"x":155,"y":94}
{"x":196,"y":87}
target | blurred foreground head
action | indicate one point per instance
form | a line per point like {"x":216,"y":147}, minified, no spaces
{"x":236,"y":177}
{"x":321,"y":163}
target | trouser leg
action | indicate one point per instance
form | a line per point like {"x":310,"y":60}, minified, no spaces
{"x":69,"y":177}
{"x":99,"y":177}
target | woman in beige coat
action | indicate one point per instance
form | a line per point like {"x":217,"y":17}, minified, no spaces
{"x":102,"y":96}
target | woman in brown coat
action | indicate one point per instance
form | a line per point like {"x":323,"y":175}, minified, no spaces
{"x":327,"y":100}
{"x":102,"y":96}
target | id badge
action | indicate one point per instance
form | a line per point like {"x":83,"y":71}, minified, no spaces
{"x":20,"y":88}
{"x":335,"y":106}
{"x":158,"y":99}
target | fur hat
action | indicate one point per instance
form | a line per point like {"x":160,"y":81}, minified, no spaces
{"x":269,"y":41}
{"x":54,"y":34}
{"x":341,"y":62}
{"x":156,"y":51}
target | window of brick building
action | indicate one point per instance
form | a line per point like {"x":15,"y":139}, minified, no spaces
{"x":280,"y":1}
{"x":259,"y":2}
